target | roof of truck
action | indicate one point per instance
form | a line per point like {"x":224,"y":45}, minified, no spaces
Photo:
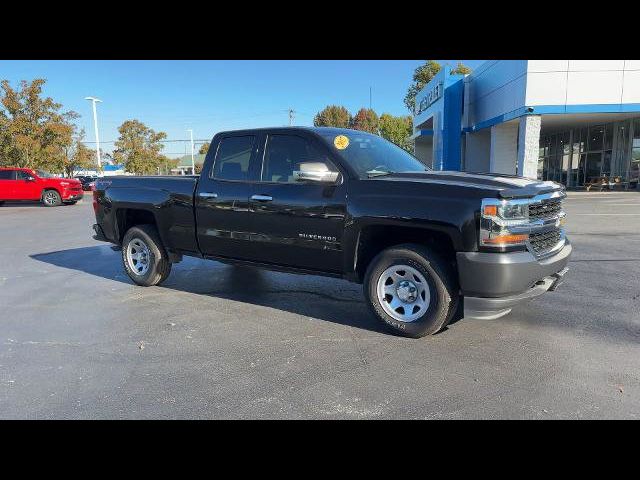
{"x":330,"y":130}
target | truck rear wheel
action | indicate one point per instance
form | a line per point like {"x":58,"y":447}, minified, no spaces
{"x":411,"y":289}
{"x":144,"y":257}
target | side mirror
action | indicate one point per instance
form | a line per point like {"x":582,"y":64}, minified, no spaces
{"x":315,"y":172}
{"x":30,"y":179}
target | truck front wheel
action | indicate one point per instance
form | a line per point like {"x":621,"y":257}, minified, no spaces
{"x":411,"y":289}
{"x":51,"y":198}
{"x":145,"y":259}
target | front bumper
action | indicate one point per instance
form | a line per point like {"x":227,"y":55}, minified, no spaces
{"x":492,"y":283}
{"x":72,"y":196}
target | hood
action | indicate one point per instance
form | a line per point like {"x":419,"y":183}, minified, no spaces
{"x":506,"y":186}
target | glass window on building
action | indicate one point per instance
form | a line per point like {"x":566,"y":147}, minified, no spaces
{"x":596,"y":138}
{"x":620,"y":152}
{"x":564,"y":156}
{"x":593,"y":160}
{"x":606,"y":163}
{"x":580,"y":156}
{"x":542,"y":156}
{"x":579,"y":137}
{"x":634,"y":167}
{"x":608,"y":136}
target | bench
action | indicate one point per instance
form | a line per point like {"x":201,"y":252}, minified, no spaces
{"x":610,"y":183}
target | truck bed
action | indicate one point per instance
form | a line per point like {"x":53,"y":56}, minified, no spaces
{"x":168,"y":198}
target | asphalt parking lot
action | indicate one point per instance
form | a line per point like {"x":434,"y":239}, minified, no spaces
{"x":79,"y":340}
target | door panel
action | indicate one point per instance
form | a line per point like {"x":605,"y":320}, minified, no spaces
{"x":296,"y":223}
{"x":26,"y":189}
{"x":222,"y":198}
{"x":7,"y":184}
{"x":302,"y":225}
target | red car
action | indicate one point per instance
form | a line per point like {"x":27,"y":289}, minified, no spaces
{"x":26,"y":184}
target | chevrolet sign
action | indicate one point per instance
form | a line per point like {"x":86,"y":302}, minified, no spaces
{"x":430,"y":98}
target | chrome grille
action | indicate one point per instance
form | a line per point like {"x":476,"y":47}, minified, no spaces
{"x":545,"y":209}
{"x":544,"y":241}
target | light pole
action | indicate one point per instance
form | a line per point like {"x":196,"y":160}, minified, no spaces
{"x":95,"y":125}
{"x":193,"y":162}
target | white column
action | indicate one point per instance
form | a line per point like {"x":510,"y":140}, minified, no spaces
{"x":504,"y":148}
{"x":529,"y":145}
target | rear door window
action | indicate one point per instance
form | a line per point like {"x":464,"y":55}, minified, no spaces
{"x":7,"y":175}
{"x":233,"y":158}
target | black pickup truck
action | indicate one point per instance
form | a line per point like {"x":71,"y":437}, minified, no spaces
{"x":347,"y":204}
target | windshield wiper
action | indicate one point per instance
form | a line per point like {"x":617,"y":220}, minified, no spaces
{"x":378,"y":173}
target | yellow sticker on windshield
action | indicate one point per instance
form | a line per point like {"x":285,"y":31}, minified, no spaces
{"x":341,"y":142}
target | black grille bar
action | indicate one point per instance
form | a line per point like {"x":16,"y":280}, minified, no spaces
{"x":545,"y":209}
{"x":544,"y":241}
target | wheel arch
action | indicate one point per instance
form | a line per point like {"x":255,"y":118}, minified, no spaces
{"x":130,"y":217}
{"x":372,"y":239}
{"x":55,"y":189}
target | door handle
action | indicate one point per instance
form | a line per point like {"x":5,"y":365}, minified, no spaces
{"x":208,"y":195}
{"x":261,"y":198}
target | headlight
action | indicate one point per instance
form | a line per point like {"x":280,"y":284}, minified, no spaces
{"x":505,"y":209}
{"x":500,"y":220}
{"x":514,"y":211}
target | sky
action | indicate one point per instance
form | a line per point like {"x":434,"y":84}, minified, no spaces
{"x":211,"y":96}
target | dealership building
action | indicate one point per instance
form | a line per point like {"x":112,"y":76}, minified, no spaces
{"x":571,"y":121}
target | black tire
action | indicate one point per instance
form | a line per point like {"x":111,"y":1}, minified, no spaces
{"x":51,"y":198}
{"x":158,"y":265}
{"x":1,"y":203}
{"x":441,"y":281}
{"x":71,"y":203}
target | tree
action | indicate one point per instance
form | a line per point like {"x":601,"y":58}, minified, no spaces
{"x":74,"y":156}
{"x":204,"y":148}
{"x":367,"y":120}
{"x":461,"y":69}
{"x":138,"y":148}
{"x":105,"y":157}
{"x":423,"y":75}
{"x":333,"y":116}
{"x":166,"y":164}
{"x":33,"y":129}
{"x":397,"y":130}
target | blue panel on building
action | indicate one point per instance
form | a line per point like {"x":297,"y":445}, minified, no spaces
{"x":439,"y":114}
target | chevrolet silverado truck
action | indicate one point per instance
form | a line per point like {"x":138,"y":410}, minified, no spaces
{"x":20,"y":184}
{"x":351,"y":205}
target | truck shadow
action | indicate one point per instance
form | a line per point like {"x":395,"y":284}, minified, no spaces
{"x":23,"y":204}
{"x":331,"y":300}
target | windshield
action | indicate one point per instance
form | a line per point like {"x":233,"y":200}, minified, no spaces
{"x":43,"y":174}
{"x":370,"y":155}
